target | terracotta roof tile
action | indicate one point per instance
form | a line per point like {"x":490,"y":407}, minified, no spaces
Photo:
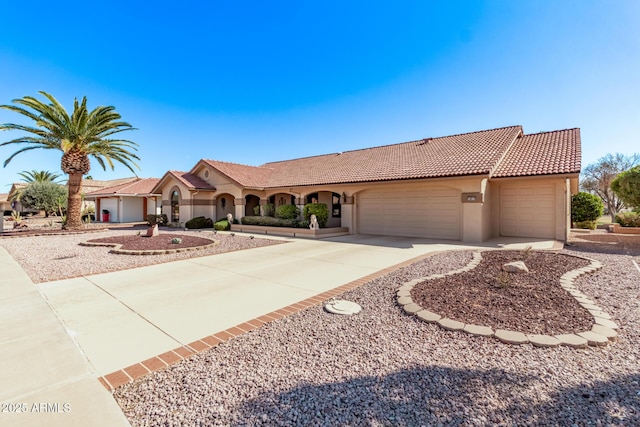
{"x":193,"y":182}
{"x":139,"y":186}
{"x":245,"y":175}
{"x":546,"y":153}
{"x":456,"y":155}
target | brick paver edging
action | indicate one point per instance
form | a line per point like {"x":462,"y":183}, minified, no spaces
{"x":602,"y":331}
{"x":129,"y":374}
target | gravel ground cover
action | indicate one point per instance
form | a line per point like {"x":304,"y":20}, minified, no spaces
{"x":531,"y":303}
{"x":158,"y":243}
{"x":53,"y":257}
{"x":383,"y":367}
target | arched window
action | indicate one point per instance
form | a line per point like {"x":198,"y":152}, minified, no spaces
{"x":175,"y":206}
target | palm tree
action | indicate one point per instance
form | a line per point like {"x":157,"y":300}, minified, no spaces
{"x":30,"y":177}
{"x":82,"y":134}
{"x":38,"y":176}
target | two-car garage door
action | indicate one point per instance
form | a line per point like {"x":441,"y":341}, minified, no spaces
{"x":427,"y":213}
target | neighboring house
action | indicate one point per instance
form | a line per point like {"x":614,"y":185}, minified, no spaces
{"x":131,"y":201}
{"x":88,"y":185}
{"x":5,"y":204}
{"x":467,"y":187}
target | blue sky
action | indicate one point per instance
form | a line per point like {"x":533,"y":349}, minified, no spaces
{"x":256,"y":81}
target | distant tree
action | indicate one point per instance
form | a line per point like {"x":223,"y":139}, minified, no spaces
{"x":32,"y":176}
{"x":43,"y":196}
{"x":627,"y":187}
{"x":597,"y":178}
{"x":78,"y":135}
{"x":38,"y":176}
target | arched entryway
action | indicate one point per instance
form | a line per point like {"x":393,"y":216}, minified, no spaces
{"x":251,"y":202}
{"x":333,"y":202}
{"x":224,"y":206}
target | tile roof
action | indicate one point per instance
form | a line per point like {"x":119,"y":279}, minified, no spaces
{"x":546,"y":153}
{"x":501,"y":152}
{"x":191,"y":181}
{"x":140,"y":186}
{"x":245,"y":175}
{"x":464,"y":154}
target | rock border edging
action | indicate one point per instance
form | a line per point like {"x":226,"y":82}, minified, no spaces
{"x":600,"y":334}
{"x":117,"y":248}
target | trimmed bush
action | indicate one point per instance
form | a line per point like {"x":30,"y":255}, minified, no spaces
{"x":199,"y":222}
{"x":268,"y":221}
{"x":157,"y":219}
{"x":222,"y":225}
{"x":269,"y":209}
{"x":628,"y":219}
{"x":586,"y":225}
{"x":586,"y":207}
{"x":287,"y":212}
{"x":320,"y":210}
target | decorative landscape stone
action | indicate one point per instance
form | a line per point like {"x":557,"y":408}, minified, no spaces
{"x":543,"y":340}
{"x":515,"y":267}
{"x":572,"y":340}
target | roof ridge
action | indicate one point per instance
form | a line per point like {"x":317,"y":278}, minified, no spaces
{"x":230,"y":163}
{"x":394,"y":144}
{"x":505,"y":152}
{"x":551,"y":131}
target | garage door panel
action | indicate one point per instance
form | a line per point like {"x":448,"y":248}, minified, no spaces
{"x":425,"y":213}
{"x":528,"y":211}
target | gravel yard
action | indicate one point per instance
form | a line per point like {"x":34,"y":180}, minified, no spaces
{"x":383,"y":367}
{"x":53,"y":257}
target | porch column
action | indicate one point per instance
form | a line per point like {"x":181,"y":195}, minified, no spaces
{"x":346,"y":213}
{"x":238,"y":203}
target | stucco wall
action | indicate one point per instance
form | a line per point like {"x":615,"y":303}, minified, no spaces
{"x":110,"y":204}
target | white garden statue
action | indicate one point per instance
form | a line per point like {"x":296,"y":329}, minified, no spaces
{"x":230,"y":218}
{"x":314,"y":223}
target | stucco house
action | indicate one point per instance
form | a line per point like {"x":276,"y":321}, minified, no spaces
{"x":130,"y":201}
{"x":467,"y":187}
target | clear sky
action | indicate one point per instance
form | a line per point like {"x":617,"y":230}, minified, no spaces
{"x":259,"y":81}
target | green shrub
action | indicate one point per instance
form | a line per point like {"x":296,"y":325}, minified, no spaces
{"x":320,"y":210}
{"x":586,"y":207}
{"x":268,"y":221}
{"x":287,"y":212}
{"x":269,"y":209}
{"x":157,"y":219}
{"x":256,"y":210}
{"x":222,"y":225}
{"x":628,"y":219}
{"x":587,"y":225}
{"x":199,"y":222}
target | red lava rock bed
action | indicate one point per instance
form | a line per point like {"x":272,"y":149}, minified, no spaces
{"x":532,"y":303}
{"x":157,"y":243}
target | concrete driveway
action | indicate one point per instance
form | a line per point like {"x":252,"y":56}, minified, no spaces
{"x":122,"y":318}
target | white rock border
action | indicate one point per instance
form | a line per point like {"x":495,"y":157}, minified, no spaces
{"x":600,"y":334}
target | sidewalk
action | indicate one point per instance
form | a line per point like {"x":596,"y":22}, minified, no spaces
{"x":45,"y":379}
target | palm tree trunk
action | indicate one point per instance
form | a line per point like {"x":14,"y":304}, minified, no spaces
{"x":74,"y":202}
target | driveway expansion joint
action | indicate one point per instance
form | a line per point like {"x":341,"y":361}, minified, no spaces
{"x":601,"y":333}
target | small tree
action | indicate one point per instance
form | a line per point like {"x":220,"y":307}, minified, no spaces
{"x":44,"y":196}
{"x":627,"y":187}
{"x":586,"y":208}
{"x":597,"y":178}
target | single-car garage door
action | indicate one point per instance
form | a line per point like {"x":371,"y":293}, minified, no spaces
{"x":528,"y":211}
{"x":428,"y":213}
